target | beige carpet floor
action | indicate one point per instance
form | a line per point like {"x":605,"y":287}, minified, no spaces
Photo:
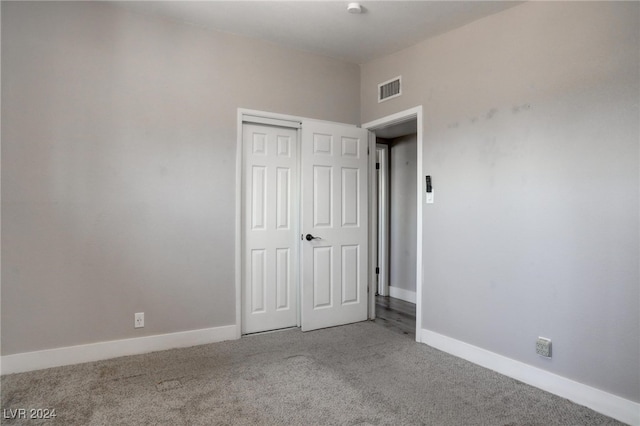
{"x":360,"y":374}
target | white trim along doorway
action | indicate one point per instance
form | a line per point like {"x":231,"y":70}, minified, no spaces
{"x":382,"y":202}
{"x":392,"y":120}
{"x":327,"y":279}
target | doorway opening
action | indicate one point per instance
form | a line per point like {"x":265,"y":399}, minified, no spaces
{"x":398,"y":203}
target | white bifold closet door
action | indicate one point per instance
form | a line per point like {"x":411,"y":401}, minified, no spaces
{"x":270,"y":239}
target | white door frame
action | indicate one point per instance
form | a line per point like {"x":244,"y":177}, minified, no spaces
{"x":271,"y":118}
{"x":410,"y":114}
{"x":383,"y":219}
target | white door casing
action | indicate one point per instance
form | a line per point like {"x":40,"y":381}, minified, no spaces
{"x":382,"y":205}
{"x":334,"y":176}
{"x":269,"y":232}
{"x":391,"y":120}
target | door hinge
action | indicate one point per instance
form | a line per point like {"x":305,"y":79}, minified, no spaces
{"x":377,"y":270}
{"x":377,"y":166}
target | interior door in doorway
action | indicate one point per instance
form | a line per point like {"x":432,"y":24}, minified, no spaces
{"x":269,"y":218}
{"x":334,"y":223}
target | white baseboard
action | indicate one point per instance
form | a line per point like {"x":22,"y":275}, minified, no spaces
{"x":608,"y":404}
{"x":29,"y":361}
{"x":402,"y":294}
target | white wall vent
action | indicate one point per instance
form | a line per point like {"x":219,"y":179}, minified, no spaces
{"x":390,"y":89}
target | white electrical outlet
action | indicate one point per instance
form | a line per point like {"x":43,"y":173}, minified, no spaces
{"x":429,"y":197}
{"x":138,"y":320}
{"x":543,"y":347}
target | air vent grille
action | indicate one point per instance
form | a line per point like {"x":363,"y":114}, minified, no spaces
{"x":390,"y":89}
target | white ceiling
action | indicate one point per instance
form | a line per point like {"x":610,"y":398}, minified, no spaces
{"x":325,"y":27}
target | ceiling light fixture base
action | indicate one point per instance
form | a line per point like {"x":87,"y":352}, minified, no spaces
{"x":354,"y":7}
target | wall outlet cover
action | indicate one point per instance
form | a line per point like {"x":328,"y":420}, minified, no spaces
{"x":138,"y":320}
{"x":429,"y":197}
{"x":543,"y":347}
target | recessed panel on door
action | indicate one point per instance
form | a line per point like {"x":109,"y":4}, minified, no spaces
{"x":322,"y":277}
{"x":350,"y":199}
{"x":350,"y":263}
{"x":322,"y":196}
{"x":283,"y":198}
{"x":259,"y":197}
{"x":284,"y":146}
{"x":322,"y":144}
{"x":259,"y":144}
{"x":283,"y":278}
{"x":258,"y":280}
{"x":350,"y":147}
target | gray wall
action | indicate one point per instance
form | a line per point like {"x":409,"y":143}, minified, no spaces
{"x":118,"y":166}
{"x":531,"y":130}
{"x":402,"y":212}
